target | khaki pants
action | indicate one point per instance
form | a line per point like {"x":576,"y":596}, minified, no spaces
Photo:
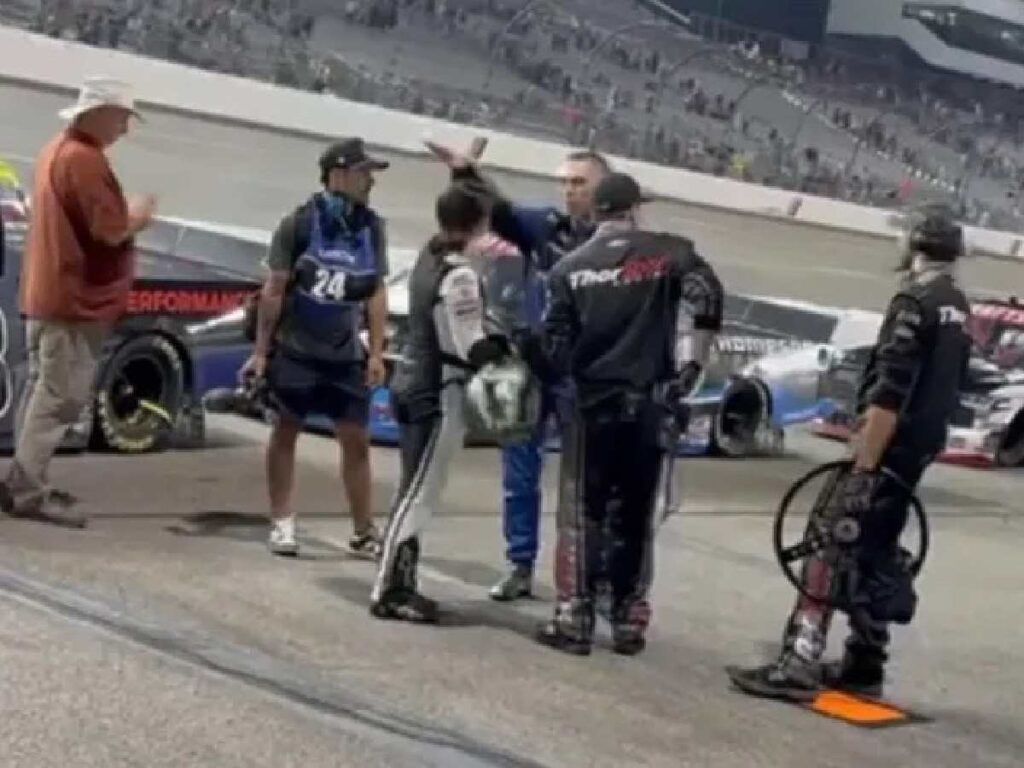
{"x":63,"y":358}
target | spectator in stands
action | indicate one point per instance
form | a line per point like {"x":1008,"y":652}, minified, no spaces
{"x":76,"y":277}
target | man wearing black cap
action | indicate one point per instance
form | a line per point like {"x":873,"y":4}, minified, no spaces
{"x":908,"y":393}
{"x":328,"y":261}
{"x":618,"y":308}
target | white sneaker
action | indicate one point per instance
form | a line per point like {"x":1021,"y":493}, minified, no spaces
{"x":282,"y":539}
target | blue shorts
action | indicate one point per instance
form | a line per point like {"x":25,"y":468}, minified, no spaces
{"x":301,"y":387}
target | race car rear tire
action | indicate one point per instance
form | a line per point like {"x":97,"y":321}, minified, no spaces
{"x":139,"y":396}
{"x":745,"y":406}
{"x":1010,"y":452}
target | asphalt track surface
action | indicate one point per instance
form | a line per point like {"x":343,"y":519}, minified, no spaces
{"x":165,"y":635}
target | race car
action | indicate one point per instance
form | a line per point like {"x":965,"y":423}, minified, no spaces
{"x":148,"y":388}
{"x":13,"y":204}
{"x":763,"y":377}
{"x":988,"y":427}
{"x":764,"y":374}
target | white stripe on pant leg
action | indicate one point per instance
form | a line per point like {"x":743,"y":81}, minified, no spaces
{"x":401,"y":497}
{"x":428,"y":485}
{"x":402,"y":509}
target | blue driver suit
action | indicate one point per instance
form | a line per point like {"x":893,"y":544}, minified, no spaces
{"x":543,"y":235}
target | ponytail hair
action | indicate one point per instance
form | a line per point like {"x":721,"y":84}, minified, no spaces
{"x":460,"y":209}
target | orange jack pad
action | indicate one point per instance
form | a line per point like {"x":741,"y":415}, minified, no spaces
{"x":865,"y":713}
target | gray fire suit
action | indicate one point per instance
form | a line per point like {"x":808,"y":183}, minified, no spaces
{"x":449,"y":337}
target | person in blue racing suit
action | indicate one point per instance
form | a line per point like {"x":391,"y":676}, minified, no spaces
{"x":543,"y":234}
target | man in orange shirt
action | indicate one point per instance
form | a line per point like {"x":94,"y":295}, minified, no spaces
{"x":76,"y":276}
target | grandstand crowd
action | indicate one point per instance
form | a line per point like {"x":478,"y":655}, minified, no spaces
{"x":616,"y":75}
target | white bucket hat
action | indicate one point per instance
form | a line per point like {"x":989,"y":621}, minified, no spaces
{"x":101,"y":92}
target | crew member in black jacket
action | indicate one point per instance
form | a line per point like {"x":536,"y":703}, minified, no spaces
{"x":630,"y":320}
{"x":909,"y":391}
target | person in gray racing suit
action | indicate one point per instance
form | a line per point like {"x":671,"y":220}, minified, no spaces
{"x":613,"y":327}
{"x":909,"y":391}
{"x":447,"y":341}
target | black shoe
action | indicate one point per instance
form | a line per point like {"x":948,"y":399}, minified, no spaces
{"x":791,"y":680}
{"x":627,"y":640}
{"x":856,"y":675}
{"x":551,"y":635}
{"x":517,"y":584}
{"x":404,"y":604}
{"x":368,"y":544}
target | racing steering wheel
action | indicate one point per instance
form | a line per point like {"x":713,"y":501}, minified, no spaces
{"x":833,"y":537}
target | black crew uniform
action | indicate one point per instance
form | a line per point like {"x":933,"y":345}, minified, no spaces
{"x":916,"y":370}
{"x":613,"y":311}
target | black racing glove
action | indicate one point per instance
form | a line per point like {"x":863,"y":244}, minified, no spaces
{"x":531,"y":350}
{"x":491,"y":349}
{"x":688,"y":379}
{"x":679,"y":390}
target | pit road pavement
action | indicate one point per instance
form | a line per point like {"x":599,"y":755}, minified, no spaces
{"x":166,"y":635}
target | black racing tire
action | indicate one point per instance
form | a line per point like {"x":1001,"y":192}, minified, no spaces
{"x":745,"y":405}
{"x":139,"y":396}
{"x":1010,"y":452}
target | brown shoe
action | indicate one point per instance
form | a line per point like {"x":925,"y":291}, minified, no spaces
{"x":55,"y":508}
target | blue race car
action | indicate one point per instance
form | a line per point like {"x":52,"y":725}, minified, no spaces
{"x":765,"y":373}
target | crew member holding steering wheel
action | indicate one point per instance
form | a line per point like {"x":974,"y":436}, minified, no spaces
{"x":909,"y":391}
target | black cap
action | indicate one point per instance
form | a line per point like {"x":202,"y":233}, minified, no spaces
{"x":935,"y":232}
{"x":349,"y":153}
{"x":618,"y":192}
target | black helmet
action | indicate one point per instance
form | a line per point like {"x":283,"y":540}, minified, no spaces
{"x":933,"y":231}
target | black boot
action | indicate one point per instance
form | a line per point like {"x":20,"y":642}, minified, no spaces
{"x":403,"y":604}
{"x":628,"y":640}
{"x":861,"y":672}
{"x":790,"y":678}
{"x":571,"y":630}
{"x":796,"y":676}
{"x":629,"y":624}
{"x":401,"y":600}
{"x":516,"y":584}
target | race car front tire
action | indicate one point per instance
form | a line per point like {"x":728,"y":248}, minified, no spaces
{"x":1010,"y":452}
{"x":742,"y":418}
{"x":139,"y":395}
